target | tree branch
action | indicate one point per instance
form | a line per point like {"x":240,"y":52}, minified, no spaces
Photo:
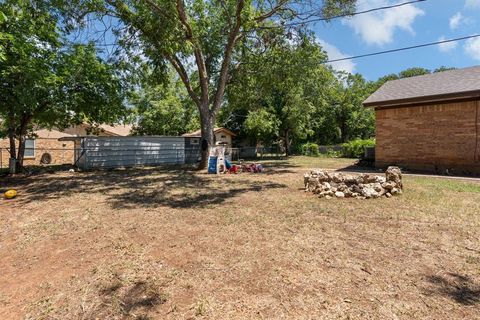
{"x":270,"y":13}
{"x":199,"y":58}
{"x":157,"y":8}
{"x":177,"y":64}
{"x":232,"y":39}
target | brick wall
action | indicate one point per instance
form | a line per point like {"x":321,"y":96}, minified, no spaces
{"x":441,"y":136}
{"x":62,"y":152}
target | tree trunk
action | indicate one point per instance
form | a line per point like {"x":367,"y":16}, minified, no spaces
{"x":11,"y":138}
{"x":207,"y":125}
{"x":287,"y":143}
{"x":21,"y":141}
{"x":21,"y":152}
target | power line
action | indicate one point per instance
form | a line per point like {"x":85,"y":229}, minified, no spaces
{"x":342,"y":15}
{"x":403,"y":49}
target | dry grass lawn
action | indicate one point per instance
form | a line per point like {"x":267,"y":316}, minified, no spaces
{"x":173,"y":244}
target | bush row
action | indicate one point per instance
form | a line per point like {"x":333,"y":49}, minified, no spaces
{"x":351,"y":149}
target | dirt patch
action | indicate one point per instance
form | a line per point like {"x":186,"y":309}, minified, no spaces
{"x":156,"y":244}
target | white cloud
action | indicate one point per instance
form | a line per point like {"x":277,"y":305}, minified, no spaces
{"x":472,"y":48}
{"x":456,"y":20}
{"x":379,"y":27}
{"x":334,"y":53}
{"x":446,"y":47}
{"x":472,"y":4}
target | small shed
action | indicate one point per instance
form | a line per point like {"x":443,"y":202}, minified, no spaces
{"x":193,"y":143}
{"x":220,"y":135}
{"x":429,"y":122}
{"x":92,"y":152}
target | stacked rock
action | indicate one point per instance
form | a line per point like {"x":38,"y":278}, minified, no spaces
{"x":363,"y":186}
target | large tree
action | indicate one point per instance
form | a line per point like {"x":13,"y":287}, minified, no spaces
{"x":46,"y":82}
{"x":278,"y":89}
{"x":201,"y":38}
{"x":164,"y":109}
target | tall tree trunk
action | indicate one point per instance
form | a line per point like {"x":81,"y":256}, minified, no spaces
{"x":207,"y":122}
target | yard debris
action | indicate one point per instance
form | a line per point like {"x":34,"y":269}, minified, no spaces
{"x":10,"y":194}
{"x":363,"y":186}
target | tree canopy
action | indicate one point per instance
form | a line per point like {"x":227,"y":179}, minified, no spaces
{"x":45,"y":81}
{"x":202,"y":40}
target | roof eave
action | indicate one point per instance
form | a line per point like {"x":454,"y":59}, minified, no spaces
{"x":425,"y":99}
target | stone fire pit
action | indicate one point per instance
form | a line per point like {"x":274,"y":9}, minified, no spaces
{"x":363,"y":186}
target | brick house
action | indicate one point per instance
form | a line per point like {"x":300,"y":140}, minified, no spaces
{"x":429,"y":122}
{"x":45,"y":148}
{"x":42,"y":148}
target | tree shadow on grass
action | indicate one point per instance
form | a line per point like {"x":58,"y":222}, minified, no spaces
{"x":141,"y":187}
{"x":459,"y":288}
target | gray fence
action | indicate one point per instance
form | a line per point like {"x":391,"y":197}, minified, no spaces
{"x":110,"y":152}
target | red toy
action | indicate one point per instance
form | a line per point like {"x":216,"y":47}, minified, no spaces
{"x":233,"y":169}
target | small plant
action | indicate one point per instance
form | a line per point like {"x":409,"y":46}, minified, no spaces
{"x":201,"y":307}
{"x":310,"y":149}
{"x":331,"y":153}
{"x":356,"y":148}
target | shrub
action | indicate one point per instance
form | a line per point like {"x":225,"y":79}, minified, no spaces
{"x":310,"y":149}
{"x":356,"y":148}
{"x":331,"y":153}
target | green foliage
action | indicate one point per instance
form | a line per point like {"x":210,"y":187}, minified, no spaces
{"x":310,"y":149}
{"x":164,"y":110}
{"x":413,"y":72}
{"x":356,"y":148}
{"x":331,"y":153}
{"x":281,"y":83}
{"x":48,"y":82}
{"x":260,"y":125}
{"x":443,"y":68}
{"x":344,"y":117}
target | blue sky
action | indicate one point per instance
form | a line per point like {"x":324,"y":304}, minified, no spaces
{"x":423,"y":22}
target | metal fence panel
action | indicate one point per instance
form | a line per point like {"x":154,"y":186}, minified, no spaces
{"x":109,"y":152}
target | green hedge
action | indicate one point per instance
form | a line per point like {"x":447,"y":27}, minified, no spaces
{"x":356,"y":148}
{"x":310,"y":149}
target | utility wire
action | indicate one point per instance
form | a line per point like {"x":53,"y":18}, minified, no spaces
{"x":342,"y":15}
{"x":404,"y":48}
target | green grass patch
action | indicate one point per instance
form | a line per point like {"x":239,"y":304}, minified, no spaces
{"x":436,"y":184}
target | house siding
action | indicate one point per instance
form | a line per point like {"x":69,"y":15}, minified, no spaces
{"x":430,"y":137}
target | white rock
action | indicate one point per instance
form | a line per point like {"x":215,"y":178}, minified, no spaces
{"x":339,"y":194}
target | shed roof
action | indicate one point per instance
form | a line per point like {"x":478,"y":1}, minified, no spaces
{"x":446,"y":85}
{"x":198,"y":133}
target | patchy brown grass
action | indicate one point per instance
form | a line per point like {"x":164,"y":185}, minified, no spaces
{"x":172,"y":244}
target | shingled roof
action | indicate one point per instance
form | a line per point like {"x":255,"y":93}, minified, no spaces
{"x":446,"y":85}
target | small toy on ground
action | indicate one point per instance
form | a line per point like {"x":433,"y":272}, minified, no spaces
{"x":10,"y":194}
{"x":252,"y":167}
